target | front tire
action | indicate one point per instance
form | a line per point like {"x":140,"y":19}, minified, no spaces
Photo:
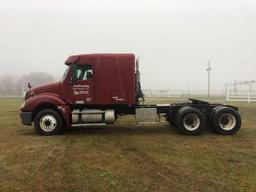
{"x":190,"y":121}
{"x":48,"y":122}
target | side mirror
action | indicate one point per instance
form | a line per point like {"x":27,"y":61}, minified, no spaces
{"x":29,"y":85}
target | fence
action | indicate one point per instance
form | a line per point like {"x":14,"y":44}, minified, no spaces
{"x":244,"y":92}
{"x":183,"y":93}
{"x":160,"y":93}
{"x":243,"y":98}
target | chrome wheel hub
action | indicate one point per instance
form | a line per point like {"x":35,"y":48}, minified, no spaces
{"x":191,"y":122}
{"x":48,"y":123}
{"x":227,"y":121}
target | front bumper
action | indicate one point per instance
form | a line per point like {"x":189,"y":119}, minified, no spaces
{"x":26,"y":118}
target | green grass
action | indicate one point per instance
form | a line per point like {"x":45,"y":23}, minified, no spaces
{"x":125,"y":157}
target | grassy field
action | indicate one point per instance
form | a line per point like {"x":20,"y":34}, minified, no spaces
{"x":125,"y":157}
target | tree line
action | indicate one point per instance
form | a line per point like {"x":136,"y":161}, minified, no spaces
{"x":11,"y":87}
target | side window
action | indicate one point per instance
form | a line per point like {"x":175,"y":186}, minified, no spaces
{"x":83,"y":72}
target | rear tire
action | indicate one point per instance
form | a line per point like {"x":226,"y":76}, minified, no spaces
{"x":225,"y":121}
{"x":190,"y":121}
{"x":48,"y":122}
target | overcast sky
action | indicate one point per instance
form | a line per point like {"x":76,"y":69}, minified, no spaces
{"x":173,"y":38}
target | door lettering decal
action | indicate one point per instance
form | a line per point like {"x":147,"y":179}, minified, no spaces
{"x":81,"y":89}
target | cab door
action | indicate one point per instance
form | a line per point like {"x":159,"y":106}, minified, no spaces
{"x":81,"y":88}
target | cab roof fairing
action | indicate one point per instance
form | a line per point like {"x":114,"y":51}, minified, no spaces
{"x":72,"y":59}
{"x":75,"y":58}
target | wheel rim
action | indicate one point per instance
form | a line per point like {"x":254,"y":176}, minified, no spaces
{"x":191,"y":122}
{"x":227,"y":121}
{"x":48,"y":123}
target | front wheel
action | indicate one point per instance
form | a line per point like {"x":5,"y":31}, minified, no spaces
{"x":48,"y":122}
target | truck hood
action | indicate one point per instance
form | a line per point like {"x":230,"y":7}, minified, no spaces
{"x":47,"y":88}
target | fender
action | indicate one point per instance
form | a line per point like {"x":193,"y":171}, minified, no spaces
{"x":48,"y":98}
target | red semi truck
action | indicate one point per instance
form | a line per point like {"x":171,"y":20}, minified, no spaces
{"x":99,"y":88}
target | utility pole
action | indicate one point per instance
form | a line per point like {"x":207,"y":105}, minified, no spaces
{"x":209,"y":76}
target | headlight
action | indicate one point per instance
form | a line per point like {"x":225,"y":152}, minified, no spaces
{"x":22,"y":105}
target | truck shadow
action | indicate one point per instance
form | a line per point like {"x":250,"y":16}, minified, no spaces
{"x":126,"y":130}
{"x":132,"y":129}
{"x":121,"y":130}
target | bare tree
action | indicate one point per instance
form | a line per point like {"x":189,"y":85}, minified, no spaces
{"x":8,"y":87}
{"x":37,"y":78}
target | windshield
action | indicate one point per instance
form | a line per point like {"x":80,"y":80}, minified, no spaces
{"x":65,"y":74}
